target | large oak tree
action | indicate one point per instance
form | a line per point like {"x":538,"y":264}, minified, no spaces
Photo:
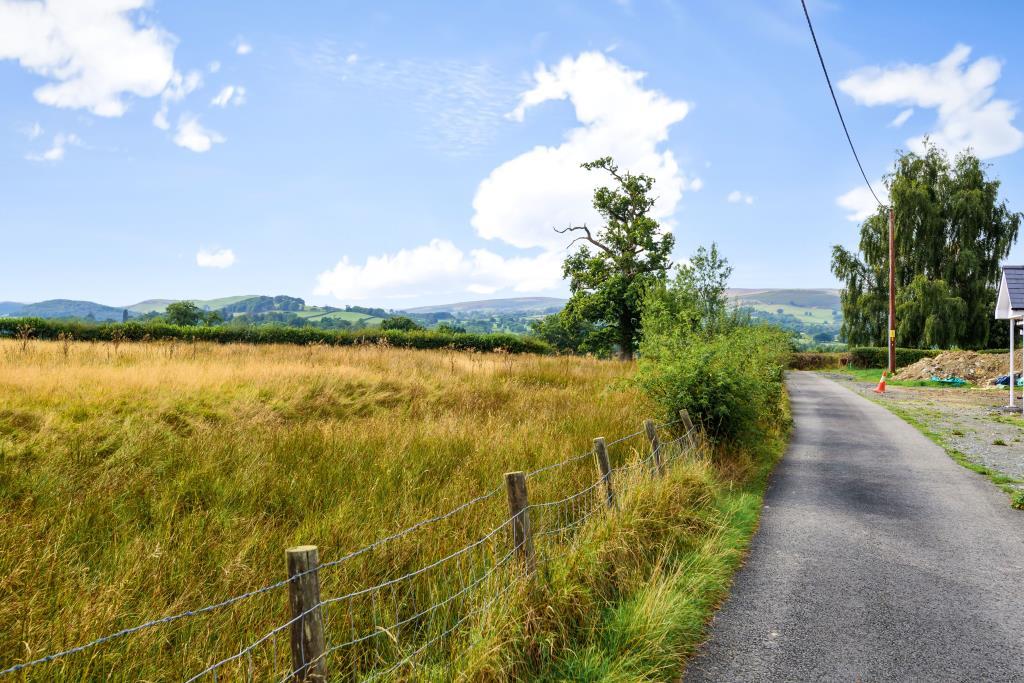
{"x":611,"y":272}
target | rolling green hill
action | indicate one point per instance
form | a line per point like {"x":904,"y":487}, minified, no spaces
{"x":525,"y":304}
{"x":802,"y":298}
{"x":67,"y":308}
{"x":160,"y":305}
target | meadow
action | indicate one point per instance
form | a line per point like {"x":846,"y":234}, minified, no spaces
{"x":140,"y":480}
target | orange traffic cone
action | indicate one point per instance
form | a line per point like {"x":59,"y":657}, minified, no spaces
{"x":880,"y":389}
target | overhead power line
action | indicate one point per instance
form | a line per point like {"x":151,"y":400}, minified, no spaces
{"x":836,"y":102}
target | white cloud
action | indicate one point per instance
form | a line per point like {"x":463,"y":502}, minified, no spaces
{"x":438,"y":268}
{"x":860,"y":203}
{"x":56,"y":150}
{"x":214,"y":67}
{"x":94,"y":52}
{"x":901,"y":118}
{"x":190,"y":134}
{"x":160,"y":118}
{"x":178,"y":88}
{"x":229,"y":94}
{"x":218,"y":258}
{"x":461,"y":104}
{"x":960,"y":92}
{"x":242,"y":47}
{"x":33,"y":131}
{"x":737,"y":197}
{"x":522,"y":199}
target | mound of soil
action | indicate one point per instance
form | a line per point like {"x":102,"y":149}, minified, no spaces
{"x":978,"y":368}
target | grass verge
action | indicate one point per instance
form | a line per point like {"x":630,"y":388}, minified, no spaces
{"x":656,"y":610}
{"x":873,"y":375}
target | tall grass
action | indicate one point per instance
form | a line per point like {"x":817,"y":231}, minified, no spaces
{"x":140,"y":480}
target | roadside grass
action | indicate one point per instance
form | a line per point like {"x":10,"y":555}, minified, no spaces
{"x":655,"y":625}
{"x":874,"y":374}
{"x":1012,"y":486}
{"x":139,"y":480}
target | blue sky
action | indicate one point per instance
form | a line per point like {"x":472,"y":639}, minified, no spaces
{"x":403,"y":153}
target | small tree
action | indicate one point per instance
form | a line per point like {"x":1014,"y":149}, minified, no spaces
{"x":694,"y":302}
{"x":184,"y":313}
{"x":400,"y":322}
{"x":630,"y":254}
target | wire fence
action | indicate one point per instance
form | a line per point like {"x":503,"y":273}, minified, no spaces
{"x":426,"y":613}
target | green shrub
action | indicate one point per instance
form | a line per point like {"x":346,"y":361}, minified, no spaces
{"x":270,"y":334}
{"x":731,"y":382}
{"x":864,"y":357}
{"x":810,"y":360}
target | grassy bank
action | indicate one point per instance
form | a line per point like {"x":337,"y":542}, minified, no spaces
{"x":141,"y":480}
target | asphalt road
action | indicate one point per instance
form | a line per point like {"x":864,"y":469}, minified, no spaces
{"x":878,"y":558}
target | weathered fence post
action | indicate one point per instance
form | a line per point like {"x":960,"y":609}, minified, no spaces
{"x":688,"y":426}
{"x":657,"y":466}
{"x":601,"y":454}
{"x":307,"y":628}
{"x":519,"y":510}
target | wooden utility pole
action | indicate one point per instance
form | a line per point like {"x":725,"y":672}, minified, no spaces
{"x":892,"y":291}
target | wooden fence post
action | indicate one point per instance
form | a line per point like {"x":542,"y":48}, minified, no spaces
{"x":519,"y":510}
{"x":601,"y":453}
{"x":307,"y":628}
{"x":657,"y":467}
{"x":688,"y":425}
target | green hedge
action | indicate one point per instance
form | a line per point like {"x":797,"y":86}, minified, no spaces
{"x":817,"y":360}
{"x":269,"y":334}
{"x":878,"y":356}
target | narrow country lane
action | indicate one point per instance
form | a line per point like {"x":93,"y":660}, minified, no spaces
{"x":878,"y":558}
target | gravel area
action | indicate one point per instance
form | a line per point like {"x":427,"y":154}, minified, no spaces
{"x":969,"y":420}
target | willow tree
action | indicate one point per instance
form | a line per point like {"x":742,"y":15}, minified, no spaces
{"x":611,"y":272}
{"x":952,"y":232}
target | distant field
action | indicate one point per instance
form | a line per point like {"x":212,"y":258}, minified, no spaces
{"x":816,"y":315}
{"x":351,"y":316}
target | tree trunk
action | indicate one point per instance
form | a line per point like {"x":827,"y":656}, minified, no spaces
{"x":626,"y":334}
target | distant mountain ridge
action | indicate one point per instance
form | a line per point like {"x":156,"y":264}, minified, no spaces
{"x":532,"y":305}
{"x":523,"y":304}
{"x":809,"y":298}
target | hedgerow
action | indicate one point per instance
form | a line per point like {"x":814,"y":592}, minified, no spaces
{"x":40,"y":328}
{"x":863,"y":357}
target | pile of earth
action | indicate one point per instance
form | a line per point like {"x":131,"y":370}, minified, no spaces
{"x":977,"y":368}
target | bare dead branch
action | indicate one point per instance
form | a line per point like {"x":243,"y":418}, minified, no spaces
{"x":587,"y":237}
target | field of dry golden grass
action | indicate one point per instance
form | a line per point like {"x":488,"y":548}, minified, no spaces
{"x":140,"y":480}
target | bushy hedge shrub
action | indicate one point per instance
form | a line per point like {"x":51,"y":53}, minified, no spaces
{"x":878,"y":356}
{"x":732,"y":382}
{"x":269,"y":334}
{"x":816,"y":360}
